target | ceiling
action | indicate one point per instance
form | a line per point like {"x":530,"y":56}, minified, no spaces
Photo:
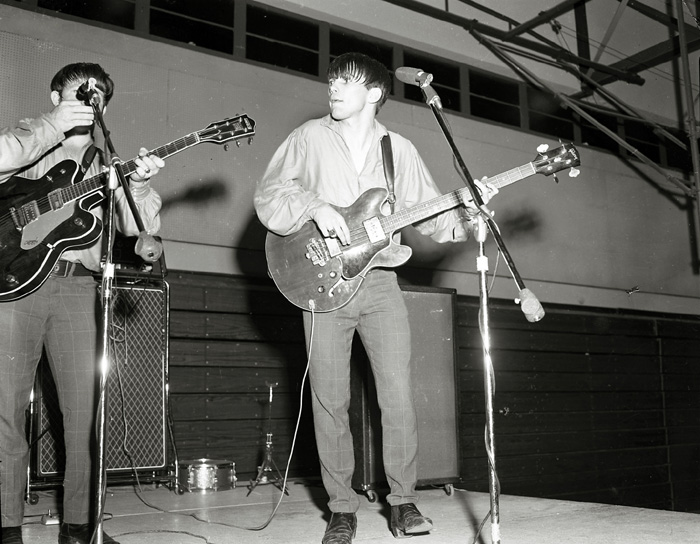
{"x":601,"y":28}
{"x":603,"y":45}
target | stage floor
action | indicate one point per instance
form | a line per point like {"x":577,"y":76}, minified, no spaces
{"x":157,"y":515}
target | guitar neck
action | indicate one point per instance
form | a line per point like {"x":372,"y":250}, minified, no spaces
{"x":432,"y":207}
{"x":164,"y":151}
{"x":95,"y":183}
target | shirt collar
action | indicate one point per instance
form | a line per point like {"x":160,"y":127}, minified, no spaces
{"x":379,"y":130}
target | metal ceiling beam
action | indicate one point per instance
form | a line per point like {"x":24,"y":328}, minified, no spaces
{"x":543,"y":17}
{"x":657,"y":54}
{"x":557,"y":53}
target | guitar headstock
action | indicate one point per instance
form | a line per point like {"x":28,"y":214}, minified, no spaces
{"x":550,"y":162}
{"x":233,"y":128}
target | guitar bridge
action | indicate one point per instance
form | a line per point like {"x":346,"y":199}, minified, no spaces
{"x":320,"y":251}
{"x":25,"y":214}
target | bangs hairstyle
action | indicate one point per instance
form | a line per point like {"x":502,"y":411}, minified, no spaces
{"x":362,"y":69}
{"x":82,"y":71}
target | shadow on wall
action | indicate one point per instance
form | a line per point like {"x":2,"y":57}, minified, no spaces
{"x":203,"y":193}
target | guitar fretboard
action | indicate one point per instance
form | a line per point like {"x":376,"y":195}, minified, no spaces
{"x":406,"y":217}
{"x":95,"y":183}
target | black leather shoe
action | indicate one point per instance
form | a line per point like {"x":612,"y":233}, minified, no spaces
{"x":12,"y":535}
{"x":71,"y":533}
{"x":341,"y":528}
{"x":407,"y":521}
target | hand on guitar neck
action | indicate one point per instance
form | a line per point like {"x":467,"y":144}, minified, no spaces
{"x":147,"y":165}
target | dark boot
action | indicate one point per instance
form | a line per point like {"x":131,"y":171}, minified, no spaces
{"x":407,"y":521}
{"x":71,"y":533}
{"x":12,"y":535}
{"x":341,"y":528}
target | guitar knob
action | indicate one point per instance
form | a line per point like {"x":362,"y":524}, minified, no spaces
{"x":321,"y":289}
{"x":10,"y":279}
{"x":79,"y":222}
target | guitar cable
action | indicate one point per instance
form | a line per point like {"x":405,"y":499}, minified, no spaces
{"x":286,"y":472}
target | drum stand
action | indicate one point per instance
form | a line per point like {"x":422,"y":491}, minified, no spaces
{"x":265,"y":471}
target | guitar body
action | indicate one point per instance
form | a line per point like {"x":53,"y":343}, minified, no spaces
{"x":27,"y":256}
{"x":316,"y":273}
{"x":42,"y":218}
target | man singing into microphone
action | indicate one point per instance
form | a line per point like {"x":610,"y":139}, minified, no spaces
{"x":332,"y":161}
{"x":60,"y":316}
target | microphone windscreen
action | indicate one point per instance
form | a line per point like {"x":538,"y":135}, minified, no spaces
{"x":530,"y":306}
{"x":408,"y":75}
{"x":148,"y":248}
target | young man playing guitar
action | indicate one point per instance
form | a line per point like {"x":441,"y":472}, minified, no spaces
{"x":60,"y":313}
{"x":322,"y":165}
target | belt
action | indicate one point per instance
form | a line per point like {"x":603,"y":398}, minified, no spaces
{"x":63,"y":269}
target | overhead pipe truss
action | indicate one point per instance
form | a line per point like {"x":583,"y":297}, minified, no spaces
{"x":592,"y":74}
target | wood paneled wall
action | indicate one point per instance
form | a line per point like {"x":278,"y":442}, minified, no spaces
{"x":590,"y":404}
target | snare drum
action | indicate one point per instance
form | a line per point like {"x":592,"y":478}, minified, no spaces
{"x":207,"y":475}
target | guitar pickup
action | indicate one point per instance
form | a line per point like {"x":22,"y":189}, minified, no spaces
{"x":374,"y":230}
{"x":56,"y":199}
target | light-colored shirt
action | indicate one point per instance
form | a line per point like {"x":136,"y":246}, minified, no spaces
{"x":313,"y":166}
{"x":30,"y":149}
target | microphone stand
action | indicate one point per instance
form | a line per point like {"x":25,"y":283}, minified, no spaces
{"x":116,"y":177}
{"x":529,"y":304}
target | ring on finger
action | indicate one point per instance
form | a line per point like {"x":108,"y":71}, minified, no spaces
{"x":331,"y":232}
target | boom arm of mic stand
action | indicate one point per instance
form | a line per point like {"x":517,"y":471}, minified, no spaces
{"x":113,"y":159}
{"x":433,"y":101}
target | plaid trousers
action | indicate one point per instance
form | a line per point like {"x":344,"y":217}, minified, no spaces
{"x":62,"y":316}
{"x":378,"y":314}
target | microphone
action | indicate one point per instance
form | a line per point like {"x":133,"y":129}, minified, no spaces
{"x":530,"y":306}
{"x":87,"y":92}
{"x":413,"y":76}
{"x":148,"y":248}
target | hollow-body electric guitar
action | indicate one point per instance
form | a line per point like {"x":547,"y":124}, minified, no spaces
{"x":319,"y":274}
{"x":42,"y":218}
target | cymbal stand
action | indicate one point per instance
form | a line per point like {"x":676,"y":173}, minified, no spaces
{"x":268,"y":466}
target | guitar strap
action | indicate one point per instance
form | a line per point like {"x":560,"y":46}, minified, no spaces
{"x":388,"y":157}
{"x":87,"y":161}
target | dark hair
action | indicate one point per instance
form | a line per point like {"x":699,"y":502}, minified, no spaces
{"x":362,"y":69}
{"x":82,"y":71}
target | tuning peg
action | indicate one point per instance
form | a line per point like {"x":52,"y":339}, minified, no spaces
{"x":542,"y":148}
{"x":574,"y":172}
{"x":225,"y":147}
{"x":250,"y":140}
{"x":556,"y":179}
